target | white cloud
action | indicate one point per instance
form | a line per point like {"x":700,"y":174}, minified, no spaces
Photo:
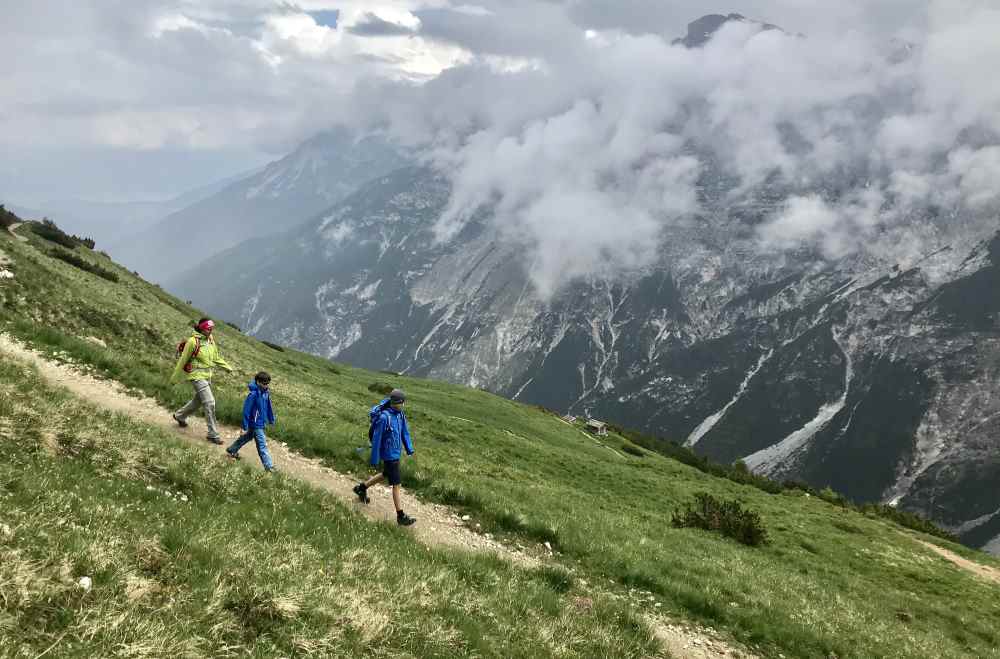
{"x":575,"y":120}
{"x":587,"y":157}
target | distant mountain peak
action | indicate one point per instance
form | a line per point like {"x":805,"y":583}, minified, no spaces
{"x":700,"y":31}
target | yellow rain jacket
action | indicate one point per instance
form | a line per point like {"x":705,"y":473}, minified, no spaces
{"x":202,"y":363}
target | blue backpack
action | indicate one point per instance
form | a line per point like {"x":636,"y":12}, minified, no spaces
{"x":372,"y":416}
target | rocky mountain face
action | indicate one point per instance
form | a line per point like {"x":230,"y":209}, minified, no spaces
{"x":875,"y":378}
{"x":320,"y":172}
{"x":701,"y":30}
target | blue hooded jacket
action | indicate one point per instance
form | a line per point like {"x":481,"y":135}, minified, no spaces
{"x":257,"y":411}
{"x":389,"y":434}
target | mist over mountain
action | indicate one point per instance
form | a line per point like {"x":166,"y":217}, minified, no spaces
{"x":284,"y":193}
{"x":108,"y":222}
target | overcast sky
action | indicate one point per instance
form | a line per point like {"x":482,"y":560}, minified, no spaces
{"x":140,"y":99}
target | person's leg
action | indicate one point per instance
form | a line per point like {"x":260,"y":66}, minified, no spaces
{"x":192,"y":405}
{"x":361,"y":489}
{"x":265,"y":456}
{"x":204,"y":389}
{"x":240,"y":442}
{"x":392,"y":475}
{"x":395,"y":499}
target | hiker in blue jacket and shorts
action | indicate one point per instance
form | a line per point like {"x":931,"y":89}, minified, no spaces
{"x":390,"y":435}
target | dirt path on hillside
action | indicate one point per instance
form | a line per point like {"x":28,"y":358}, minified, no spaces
{"x":436,"y":526}
{"x":11,"y":229}
{"x":982,"y":571}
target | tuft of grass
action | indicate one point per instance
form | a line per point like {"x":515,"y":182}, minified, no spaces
{"x":558,"y":578}
{"x":273,"y":346}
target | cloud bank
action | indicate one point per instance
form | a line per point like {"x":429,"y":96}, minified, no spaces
{"x":576,"y":122}
{"x":591,"y":143}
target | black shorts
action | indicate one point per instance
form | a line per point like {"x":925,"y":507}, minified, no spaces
{"x":390,"y":469}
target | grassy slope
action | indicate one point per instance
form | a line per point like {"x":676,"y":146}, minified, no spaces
{"x":832,"y":581}
{"x":190,"y":556}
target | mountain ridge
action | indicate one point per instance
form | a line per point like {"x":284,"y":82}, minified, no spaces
{"x":318,"y":173}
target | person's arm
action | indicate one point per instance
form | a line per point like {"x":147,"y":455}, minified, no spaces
{"x":270,"y":412}
{"x":377,"y":437}
{"x":221,"y":363}
{"x":248,"y":406}
{"x":183,"y":360}
{"x":407,"y":442}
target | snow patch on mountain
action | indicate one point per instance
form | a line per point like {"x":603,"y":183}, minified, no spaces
{"x":781,"y":455}
{"x":705,"y":426}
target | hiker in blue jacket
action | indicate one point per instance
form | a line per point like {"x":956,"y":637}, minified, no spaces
{"x":389,"y":435}
{"x":257,"y":414}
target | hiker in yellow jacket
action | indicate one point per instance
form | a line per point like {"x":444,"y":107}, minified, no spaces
{"x":199,"y":356}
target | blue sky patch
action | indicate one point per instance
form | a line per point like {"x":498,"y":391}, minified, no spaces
{"x":327,"y":17}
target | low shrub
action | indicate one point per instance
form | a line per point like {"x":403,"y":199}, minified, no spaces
{"x":273,"y":346}
{"x":7,"y":218}
{"x":74,"y":260}
{"x":738,"y":473}
{"x":830,"y":496}
{"x":48,"y":230}
{"x":632,"y":449}
{"x":380,"y":388}
{"x":908,"y":520}
{"x":726,"y":517}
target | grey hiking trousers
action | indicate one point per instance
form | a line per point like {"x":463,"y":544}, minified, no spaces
{"x":202,"y":398}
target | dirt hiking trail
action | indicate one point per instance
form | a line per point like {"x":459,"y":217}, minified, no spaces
{"x":436,"y":525}
{"x":11,"y":229}
{"x":982,"y":571}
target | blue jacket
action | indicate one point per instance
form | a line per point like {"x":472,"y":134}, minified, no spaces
{"x":390,"y":433}
{"x":257,"y":410}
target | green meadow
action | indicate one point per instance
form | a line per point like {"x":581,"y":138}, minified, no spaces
{"x":258,"y":566}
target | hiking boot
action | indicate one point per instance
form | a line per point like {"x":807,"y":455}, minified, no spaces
{"x":215,"y":440}
{"x":403,"y":519}
{"x":362,"y":493}
{"x":271,"y":470}
{"x":181,"y":422}
{"x":231,"y":455}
